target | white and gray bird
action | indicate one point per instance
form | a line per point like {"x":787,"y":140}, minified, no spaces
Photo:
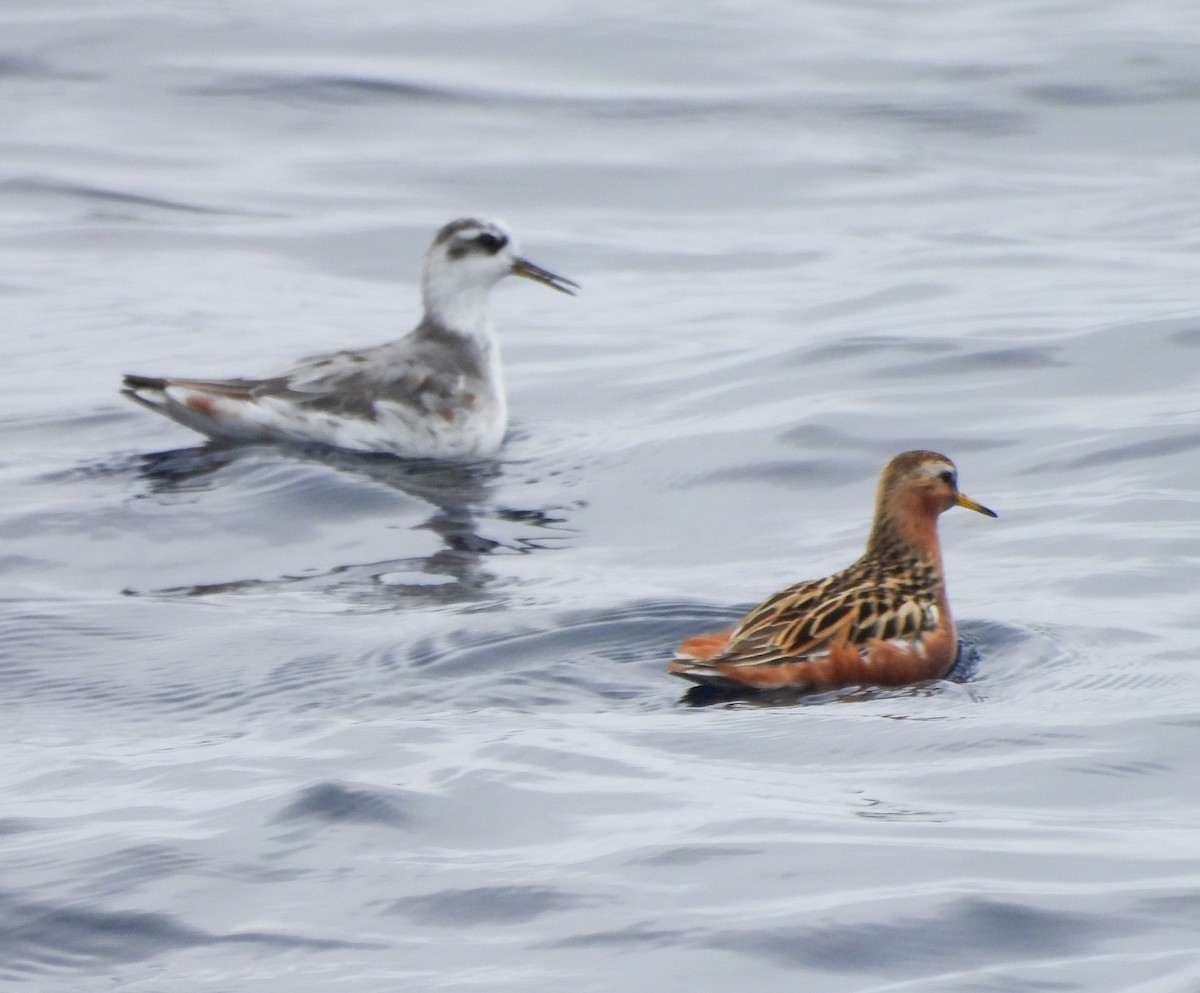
{"x":437,"y":392}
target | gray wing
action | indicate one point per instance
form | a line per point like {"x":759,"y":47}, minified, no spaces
{"x":423,"y":372}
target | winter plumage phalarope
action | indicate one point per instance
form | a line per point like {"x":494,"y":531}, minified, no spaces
{"x":437,"y":392}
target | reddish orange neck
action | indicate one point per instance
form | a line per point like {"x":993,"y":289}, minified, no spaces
{"x":910,"y":516}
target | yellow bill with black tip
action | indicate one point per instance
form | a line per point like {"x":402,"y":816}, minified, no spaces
{"x":965,"y":501}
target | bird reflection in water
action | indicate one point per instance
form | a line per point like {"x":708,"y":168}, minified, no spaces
{"x":461,"y":494}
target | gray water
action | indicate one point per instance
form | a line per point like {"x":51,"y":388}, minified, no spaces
{"x":282,"y":721}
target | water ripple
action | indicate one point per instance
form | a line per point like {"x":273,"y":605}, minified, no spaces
{"x":980,"y":931}
{"x":42,"y":937}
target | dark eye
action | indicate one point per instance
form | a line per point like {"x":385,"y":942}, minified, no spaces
{"x":947,"y":477}
{"x":490,"y":243}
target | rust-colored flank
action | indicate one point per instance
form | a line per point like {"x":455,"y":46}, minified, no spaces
{"x":202,"y":404}
{"x":883,"y":621}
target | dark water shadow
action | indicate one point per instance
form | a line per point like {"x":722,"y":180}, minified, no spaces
{"x":485,"y":905}
{"x":959,"y":118}
{"x":42,"y":937}
{"x":364,"y":90}
{"x":710,"y":696}
{"x":131,"y":204}
{"x":339,"y":803}
{"x":317,"y":88}
{"x":965,"y":934}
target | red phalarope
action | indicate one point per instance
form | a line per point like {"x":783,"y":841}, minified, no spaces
{"x":437,"y":392}
{"x":884,"y":621}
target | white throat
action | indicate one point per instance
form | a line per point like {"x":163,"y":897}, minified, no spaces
{"x":458,"y":306}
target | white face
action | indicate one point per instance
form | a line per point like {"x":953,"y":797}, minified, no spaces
{"x":473,"y":252}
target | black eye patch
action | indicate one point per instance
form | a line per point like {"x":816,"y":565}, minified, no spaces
{"x":484,"y":242}
{"x":491,"y":243}
{"x":947,"y":477}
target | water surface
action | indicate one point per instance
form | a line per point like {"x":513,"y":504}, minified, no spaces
{"x":283,"y":720}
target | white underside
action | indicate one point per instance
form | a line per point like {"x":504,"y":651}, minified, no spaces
{"x":394,"y":429}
